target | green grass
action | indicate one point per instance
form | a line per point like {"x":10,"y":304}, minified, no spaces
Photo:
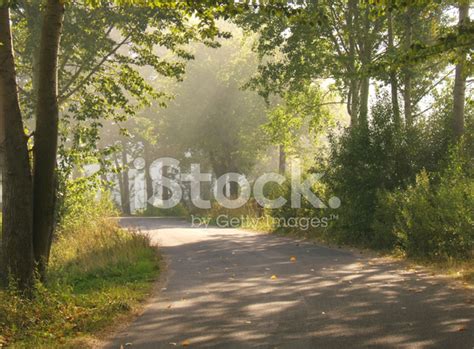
{"x":178,"y":211}
{"x":98,"y":275}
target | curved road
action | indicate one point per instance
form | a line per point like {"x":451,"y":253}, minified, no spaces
{"x":219,"y":293}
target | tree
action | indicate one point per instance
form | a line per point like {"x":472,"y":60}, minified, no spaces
{"x":211,"y":119}
{"x":17,"y":239}
{"x":46,"y":133}
{"x":27,"y":219}
{"x":328,"y":39}
{"x":393,"y":74}
{"x":299,"y":117}
{"x":460,"y":78}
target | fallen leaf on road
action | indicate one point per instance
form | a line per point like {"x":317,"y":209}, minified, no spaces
{"x":273,"y":277}
{"x":185,"y":343}
{"x":461,"y":329}
{"x":416,"y":290}
{"x":292,"y":259}
{"x":169,"y":306}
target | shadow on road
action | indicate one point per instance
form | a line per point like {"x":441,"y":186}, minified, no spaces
{"x":221,"y":294}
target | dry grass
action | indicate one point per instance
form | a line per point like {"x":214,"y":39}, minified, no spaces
{"x":98,"y":274}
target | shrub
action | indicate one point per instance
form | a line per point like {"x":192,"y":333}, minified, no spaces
{"x":435,"y":221}
{"x":433,"y":218}
{"x":364,"y":162}
{"x":383,"y":225}
{"x":177,"y":211}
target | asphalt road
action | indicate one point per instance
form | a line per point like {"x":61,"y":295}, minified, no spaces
{"x":219,"y":292}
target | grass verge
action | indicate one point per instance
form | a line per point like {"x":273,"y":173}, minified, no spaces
{"x":98,"y":275}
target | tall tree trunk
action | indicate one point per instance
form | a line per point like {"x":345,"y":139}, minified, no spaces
{"x":282,"y":160}
{"x":407,"y":85}
{"x":125,"y":182}
{"x":17,"y":235}
{"x":148,"y":180}
{"x":407,"y":100}
{"x":460,"y":79}
{"x":46,"y":134}
{"x":393,"y":74}
{"x":119,"y":180}
{"x":364,"y":101}
{"x":365,"y":46}
{"x":2,"y":142}
{"x":2,"y":156}
{"x":233,"y":189}
{"x":353,"y":97}
{"x":33,"y":18}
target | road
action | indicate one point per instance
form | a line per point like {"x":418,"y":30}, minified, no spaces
{"x":230,"y":288}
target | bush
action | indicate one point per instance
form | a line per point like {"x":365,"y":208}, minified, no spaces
{"x":286,"y":213}
{"x":177,"y":211}
{"x":432,"y":218}
{"x":383,"y":226}
{"x":435,"y":221}
{"x":364,"y":162}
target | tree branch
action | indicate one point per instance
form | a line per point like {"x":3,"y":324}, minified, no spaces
{"x":64,"y":96}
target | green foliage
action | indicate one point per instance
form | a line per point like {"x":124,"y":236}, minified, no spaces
{"x":446,"y":40}
{"x":97,"y":274}
{"x":299,"y":114}
{"x":364,"y":161}
{"x":76,"y":210}
{"x":211,"y":118}
{"x":433,"y":217}
{"x":177,"y":211}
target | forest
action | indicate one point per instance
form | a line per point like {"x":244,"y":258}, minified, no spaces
{"x":369,"y":103}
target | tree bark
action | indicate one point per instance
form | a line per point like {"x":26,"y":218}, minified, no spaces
{"x":119,"y":179}
{"x":17,"y":240}
{"x":282,"y":160}
{"x":393,"y":75}
{"x":46,"y":134}
{"x":353,"y":96}
{"x":233,"y":189}
{"x":407,"y":93}
{"x":460,"y":80}
{"x":364,"y":102}
{"x":125,"y":182}
{"x":148,"y":180}
{"x":365,"y":47}
{"x":33,"y":20}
